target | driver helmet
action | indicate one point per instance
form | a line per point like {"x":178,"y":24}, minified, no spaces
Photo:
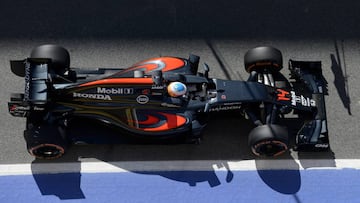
{"x":176,"y":89}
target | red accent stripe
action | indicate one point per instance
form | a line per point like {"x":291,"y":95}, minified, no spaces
{"x":150,"y":120}
{"x":172,"y":121}
{"x":171,"y":63}
{"x":114,"y":81}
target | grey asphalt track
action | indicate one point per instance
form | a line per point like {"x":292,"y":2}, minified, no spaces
{"x":120,"y":33}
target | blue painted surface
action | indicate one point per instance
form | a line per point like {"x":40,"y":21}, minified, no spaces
{"x":186,"y":186}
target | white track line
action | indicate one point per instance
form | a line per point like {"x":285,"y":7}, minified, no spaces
{"x":118,"y":167}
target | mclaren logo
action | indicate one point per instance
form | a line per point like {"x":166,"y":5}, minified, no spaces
{"x":92,"y":96}
{"x":158,"y":64}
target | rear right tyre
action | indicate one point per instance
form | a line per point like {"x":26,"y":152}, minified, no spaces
{"x":60,"y":62}
{"x":46,"y":141}
{"x":60,"y":57}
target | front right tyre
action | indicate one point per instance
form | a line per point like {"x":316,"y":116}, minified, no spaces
{"x":261,"y":58}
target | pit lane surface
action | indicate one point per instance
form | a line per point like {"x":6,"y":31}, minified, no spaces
{"x":182,"y":181}
{"x":119,"y":34}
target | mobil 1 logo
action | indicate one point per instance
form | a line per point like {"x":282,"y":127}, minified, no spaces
{"x":104,"y":90}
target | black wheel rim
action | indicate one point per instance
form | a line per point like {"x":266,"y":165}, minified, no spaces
{"x":47,"y":151}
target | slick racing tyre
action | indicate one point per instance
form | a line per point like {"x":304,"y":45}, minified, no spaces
{"x":268,"y":140}
{"x":260,"y":58}
{"x":60,"y":58}
{"x":46,"y":142}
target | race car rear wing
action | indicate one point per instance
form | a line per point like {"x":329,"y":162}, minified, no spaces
{"x":35,"y":72}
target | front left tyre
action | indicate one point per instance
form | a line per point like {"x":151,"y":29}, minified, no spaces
{"x":269,"y":140}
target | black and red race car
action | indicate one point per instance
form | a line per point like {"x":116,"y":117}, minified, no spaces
{"x":166,"y":97}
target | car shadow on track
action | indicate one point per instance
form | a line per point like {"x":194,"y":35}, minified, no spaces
{"x":340,"y":74}
{"x":65,"y":185}
{"x":288,"y":181}
{"x":224,"y":139}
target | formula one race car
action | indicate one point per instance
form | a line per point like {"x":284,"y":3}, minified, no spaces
{"x":166,"y":97}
